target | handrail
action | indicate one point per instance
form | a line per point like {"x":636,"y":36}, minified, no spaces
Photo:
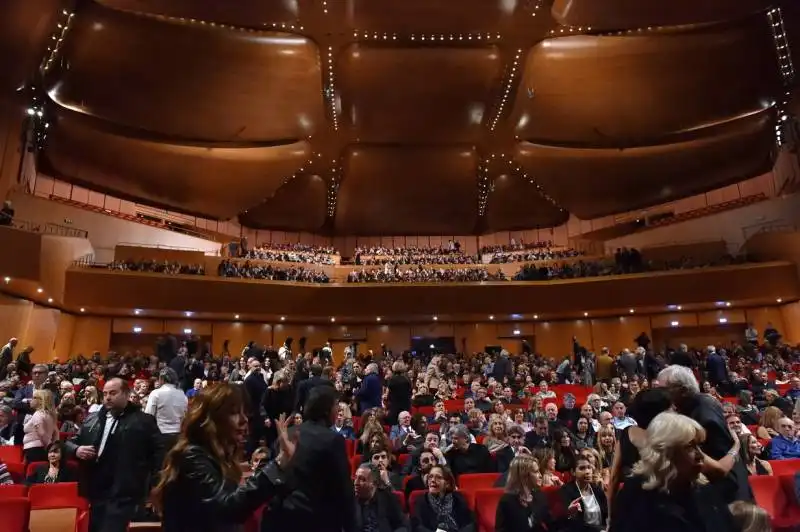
{"x":214,"y":253}
{"x":49,"y":228}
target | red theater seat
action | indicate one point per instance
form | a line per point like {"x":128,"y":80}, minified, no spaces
{"x":15,"y":514}
{"x":477,"y":481}
{"x":11,"y":453}
{"x":355,"y":461}
{"x":785,"y":467}
{"x":486,"y":508}
{"x":776,"y":495}
{"x":60,"y":495}
{"x":412,"y":499}
{"x":13,"y":490}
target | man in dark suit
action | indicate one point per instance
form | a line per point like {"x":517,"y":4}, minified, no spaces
{"x":118,"y":452}
{"x":11,"y":431}
{"x":305,"y":387}
{"x":22,"y":399}
{"x":320,"y":493}
{"x":256,"y":388}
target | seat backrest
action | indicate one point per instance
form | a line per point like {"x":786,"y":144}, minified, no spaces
{"x":15,"y":514}
{"x":785,"y":467}
{"x":768,"y":494}
{"x":32,"y":467}
{"x":355,"y":461}
{"x":401,"y":498}
{"x":486,"y":507}
{"x":554,"y":502}
{"x":412,"y":499}
{"x":350,"y":447}
{"x":13,"y":490}
{"x":477,"y":481}
{"x":59,"y":495}
{"x":11,"y":453}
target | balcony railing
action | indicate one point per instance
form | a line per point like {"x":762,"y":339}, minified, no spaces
{"x":49,"y":229}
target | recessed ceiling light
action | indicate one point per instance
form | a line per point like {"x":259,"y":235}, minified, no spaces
{"x":137,"y":311}
{"x":631,"y":311}
{"x":236,"y":317}
{"x":491,"y":317}
{"x":435,"y":318}
{"x":187,"y":331}
{"x":83,"y":309}
{"x":723,"y":320}
{"x":7,"y":279}
{"x":779,"y":300}
{"x":378,"y":318}
{"x":536,"y":316}
{"x":333,"y":319}
{"x":187,"y":313}
{"x":585,"y":314}
{"x":727,"y":303}
{"x":40,"y":290}
{"x":137,"y":330}
{"x":49,"y":299}
{"x":680,"y":307}
{"x":283,"y":318}
{"x":674,"y":323}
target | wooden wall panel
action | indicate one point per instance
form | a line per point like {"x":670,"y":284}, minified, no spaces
{"x":791,"y":321}
{"x":433,"y":329}
{"x":62,"y":347}
{"x":91,"y":334}
{"x":239,"y":334}
{"x":41,"y":333}
{"x":618,"y":333}
{"x":396,"y":337}
{"x":177,"y":327}
{"x":762,"y":316}
{"x":474,"y":337}
{"x":698,"y":337}
{"x":664,"y":321}
{"x":712,"y":317}
{"x":148,"y":326}
{"x":554,"y":338}
{"x":316,"y":335}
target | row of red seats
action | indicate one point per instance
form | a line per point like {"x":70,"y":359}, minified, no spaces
{"x":17,"y":501}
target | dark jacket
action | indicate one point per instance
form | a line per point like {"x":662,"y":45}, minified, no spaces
{"x":319,"y":490}
{"x":389,"y":512}
{"x":700,"y":510}
{"x":475,"y":459}
{"x":502,"y":368}
{"x":424,"y":518}
{"x":511,"y":516}
{"x":65,"y":474}
{"x":256,"y":388}
{"x":369,"y":395}
{"x":202,"y":500}
{"x":137,"y":439}
{"x":305,"y":387}
{"x":570,"y":492}
{"x":14,"y":431}
{"x":399,"y":398}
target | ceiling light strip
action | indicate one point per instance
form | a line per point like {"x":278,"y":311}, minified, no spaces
{"x":57,"y":40}
{"x":786,"y":68}
{"x":536,"y":6}
{"x":566,"y":31}
{"x":483,"y":187}
{"x":432,"y":38}
{"x":517,"y":169}
{"x":333,"y":189}
{"x":507,"y":88}
{"x":329,"y":91}
{"x":266,"y":26}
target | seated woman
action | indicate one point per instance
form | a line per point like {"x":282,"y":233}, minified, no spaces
{"x":495,"y":441}
{"x":564,"y":451}
{"x":585,"y":501}
{"x":750,"y":451}
{"x":666,"y":490}
{"x":54,"y":470}
{"x":768,"y":426}
{"x":442,"y":508}
{"x":341,"y":426}
{"x":377,"y":508}
{"x":547,"y":465}
{"x":523,"y":507}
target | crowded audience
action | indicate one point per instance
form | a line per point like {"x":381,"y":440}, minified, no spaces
{"x":425,"y":275}
{"x":419,"y":425}
{"x":269,"y":272}
{"x":152,"y":266}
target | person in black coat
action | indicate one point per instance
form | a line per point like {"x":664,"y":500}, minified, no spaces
{"x":523,"y":507}
{"x":201,"y":488}
{"x":304,"y":387}
{"x":116,"y":466}
{"x":55,"y":470}
{"x":587,"y":508}
{"x":441,"y":508}
{"x":400,"y":390}
{"x":377,"y":507}
{"x":664,"y":493}
{"x":320,"y":493}
{"x":256,"y":388}
{"x":465,"y":457}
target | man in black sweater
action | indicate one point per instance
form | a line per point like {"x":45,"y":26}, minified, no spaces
{"x":465,"y":457}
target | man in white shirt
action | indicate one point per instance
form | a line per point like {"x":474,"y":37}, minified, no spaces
{"x":285,"y":351}
{"x":168,"y":405}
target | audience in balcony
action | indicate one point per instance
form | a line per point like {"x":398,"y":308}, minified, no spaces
{"x":505,"y":257}
{"x":7,"y":213}
{"x":162,"y":267}
{"x":293,"y":253}
{"x":425,"y":275}
{"x":268,"y":272}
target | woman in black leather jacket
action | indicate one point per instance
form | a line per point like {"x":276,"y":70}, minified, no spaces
{"x":201,"y":488}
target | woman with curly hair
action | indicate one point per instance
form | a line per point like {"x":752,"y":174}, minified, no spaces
{"x":200,"y":487}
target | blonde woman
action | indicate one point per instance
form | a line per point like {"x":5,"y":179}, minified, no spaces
{"x":496,"y":439}
{"x":667,"y":490}
{"x":749,"y":517}
{"x":606,"y":444}
{"x":768,"y":426}
{"x":40,"y":429}
{"x":92,"y":399}
{"x":523,"y":507}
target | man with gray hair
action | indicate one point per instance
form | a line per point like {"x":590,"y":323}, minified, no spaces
{"x":719,"y":444}
{"x":22,"y":399}
{"x":11,"y":432}
{"x":168,"y":405}
{"x":465,"y":457}
{"x":371,"y":392}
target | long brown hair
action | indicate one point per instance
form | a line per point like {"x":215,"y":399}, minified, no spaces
{"x":208,"y":425}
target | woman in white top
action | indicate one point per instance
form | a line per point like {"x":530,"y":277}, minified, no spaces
{"x":40,"y":428}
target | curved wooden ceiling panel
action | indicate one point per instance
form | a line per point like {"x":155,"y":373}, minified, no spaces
{"x":629,"y":91}
{"x":250,"y":14}
{"x":384,"y":100}
{"x":405,"y":191}
{"x":597,"y":182}
{"x":515,"y":204}
{"x":428,"y":16}
{"x":189,"y":80}
{"x":26,"y":28}
{"x":299,"y":205}
{"x":634,"y":14}
{"x":215,"y":182}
